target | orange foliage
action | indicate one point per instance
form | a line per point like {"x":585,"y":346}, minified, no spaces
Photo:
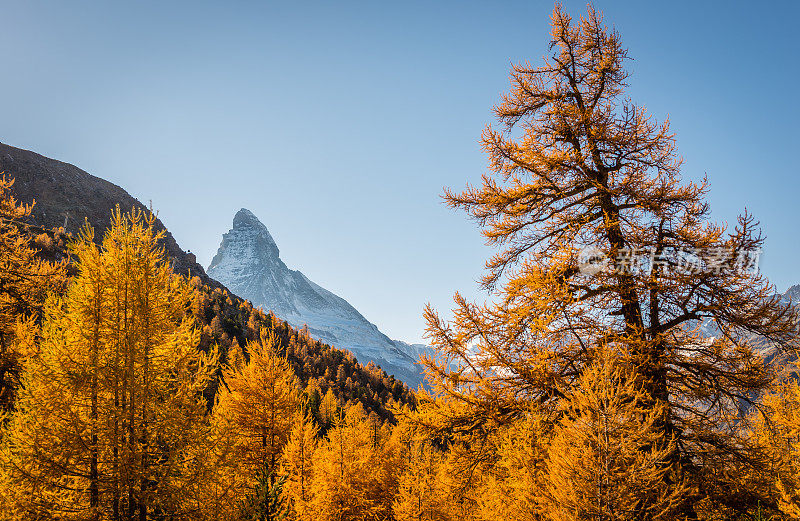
{"x":575,"y":165}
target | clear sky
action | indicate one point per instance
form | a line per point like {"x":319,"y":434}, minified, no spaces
{"x":338,"y":123}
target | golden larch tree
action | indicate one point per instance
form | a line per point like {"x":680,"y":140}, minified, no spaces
{"x":255,"y":408}
{"x":328,"y":408}
{"x":605,"y":457}
{"x":602,"y":246}
{"x":421,"y":494}
{"x":777,"y":430}
{"x":297,"y":463}
{"x":25,"y":282}
{"x":111,"y":414}
{"x":513,"y":486}
{"x":354,"y":474}
{"x":235,"y":355}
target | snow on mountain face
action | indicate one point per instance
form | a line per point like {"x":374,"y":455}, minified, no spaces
{"x":792,"y":295}
{"x":248,"y":262}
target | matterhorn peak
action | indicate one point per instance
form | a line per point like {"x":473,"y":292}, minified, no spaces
{"x":244,"y":218}
{"x":247,"y":262}
{"x":251,"y":234}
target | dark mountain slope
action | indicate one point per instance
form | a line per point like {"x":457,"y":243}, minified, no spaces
{"x":65,"y":192}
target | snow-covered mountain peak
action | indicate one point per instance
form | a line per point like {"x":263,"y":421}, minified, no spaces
{"x":246,"y":247}
{"x":248,"y":263}
{"x":246,"y":222}
{"x":244,"y":218}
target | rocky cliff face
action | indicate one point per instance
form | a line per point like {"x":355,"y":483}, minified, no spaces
{"x":65,"y":194}
{"x":248,"y":262}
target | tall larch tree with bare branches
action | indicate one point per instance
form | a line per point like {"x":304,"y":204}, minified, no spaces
{"x":601,"y":246}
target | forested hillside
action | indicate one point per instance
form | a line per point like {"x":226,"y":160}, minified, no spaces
{"x":98,"y":328}
{"x":226,"y":320}
{"x":230,"y":323}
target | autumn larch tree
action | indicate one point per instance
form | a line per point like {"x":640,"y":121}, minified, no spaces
{"x":297,"y":464}
{"x":421,"y":494}
{"x":604,"y":456}
{"x":25,"y":282}
{"x":254,"y":412}
{"x":577,"y":168}
{"x":512,"y":484}
{"x":111,"y":422}
{"x":777,"y":430}
{"x":355,"y":474}
{"x":328,"y":408}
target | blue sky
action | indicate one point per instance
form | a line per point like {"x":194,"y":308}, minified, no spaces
{"x":338,"y":124}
